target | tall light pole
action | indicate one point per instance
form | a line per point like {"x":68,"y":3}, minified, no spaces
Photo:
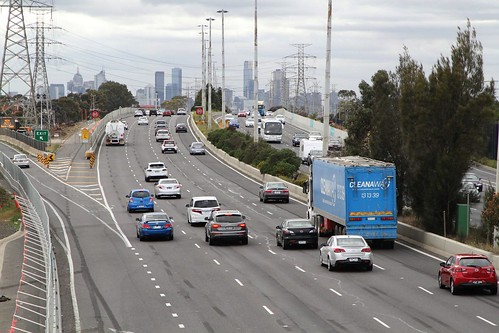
{"x":327,"y":92}
{"x":209,"y":74}
{"x":255,"y":79}
{"x":222,"y":11}
{"x":203,"y":83}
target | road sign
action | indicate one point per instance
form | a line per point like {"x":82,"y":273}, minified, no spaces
{"x":199,"y":111}
{"x":94,"y":114}
{"x":85,"y":135}
{"x":42,"y":135}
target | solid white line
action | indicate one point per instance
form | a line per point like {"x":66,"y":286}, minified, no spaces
{"x":382,"y":323}
{"x":216,"y":262}
{"x":334,"y":291}
{"x":67,"y":249}
{"x":487,"y":321}
{"x":300,"y":269}
{"x":425,"y":290}
{"x":377,"y":266}
{"x":239,"y":282}
{"x":268,"y":310}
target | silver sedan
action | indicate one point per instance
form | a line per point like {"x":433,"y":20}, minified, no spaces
{"x":346,"y":250}
{"x":169,"y":187}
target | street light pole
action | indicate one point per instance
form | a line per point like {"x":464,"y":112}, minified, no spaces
{"x":209,"y":74}
{"x":203,"y":55}
{"x":221,"y":11}
{"x":327,"y":92}
{"x":255,"y":79}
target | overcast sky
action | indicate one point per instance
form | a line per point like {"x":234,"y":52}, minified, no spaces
{"x":131,"y":39}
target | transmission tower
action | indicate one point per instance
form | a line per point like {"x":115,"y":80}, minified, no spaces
{"x":300,"y":92}
{"x":41,"y":83}
{"x":16,"y":67}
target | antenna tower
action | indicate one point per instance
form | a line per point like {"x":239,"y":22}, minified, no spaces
{"x":300,"y":92}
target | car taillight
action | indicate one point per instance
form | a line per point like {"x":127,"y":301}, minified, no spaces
{"x":160,"y":187}
{"x":268,"y":191}
{"x":150,"y":199}
{"x":167,"y":225}
{"x":285,"y":191}
{"x":164,"y":169}
{"x":197,"y":211}
{"x":490,"y":270}
{"x":242,"y":225}
{"x":338,"y":250}
{"x":177,"y":186}
{"x":215,"y":226}
{"x":146,"y":226}
{"x":366,"y":249}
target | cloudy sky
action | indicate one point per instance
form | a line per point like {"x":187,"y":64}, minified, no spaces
{"x":131,"y":39}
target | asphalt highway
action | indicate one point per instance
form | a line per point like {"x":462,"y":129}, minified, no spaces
{"x":119,"y":284}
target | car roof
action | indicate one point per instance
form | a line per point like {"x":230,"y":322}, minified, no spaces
{"x":169,"y":180}
{"x":470,"y":255}
{"x":158,"y":162}
{"x":227,"y":211}
{"x":293,"y":220}
{"x":347,"y":236}
{"x":205,"y":198}
{"x":140,"y":189}
{"x":151,"y":214}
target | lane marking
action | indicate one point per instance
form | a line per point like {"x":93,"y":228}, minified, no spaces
{"x":382,"y":323}
{"x":425,"y":290}
{"x":487,"y":321}
{"x":216,"y":262}
{"x":197,"y":246}
{"x":268,"y":310}
{"x":377,"y":266}
{"x":334,"y":291}
{"x":239,"y":282}
{"x":420,"y":252}
{"x":272,"y":252}
{"x":168,"y":304}
{"x":174,"y":315}
{"x":270,"y":213}
{"x":300,"y":269}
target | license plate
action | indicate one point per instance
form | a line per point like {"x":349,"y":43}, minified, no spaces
{"x":277,"y":192}
{"x":302,"y":242}
{"x":169,"y":188}
{"x":353,"y":259}
{"x":477,"y":282}
{"x":157,"y":227}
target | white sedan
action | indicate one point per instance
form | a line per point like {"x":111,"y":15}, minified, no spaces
{"x":21,"y":160}
{"x":143,"y":121}
{"x":346,"y":250}
{"x":281,"y":118}
{"x":168,"y":187}
{"x":250,"y":122}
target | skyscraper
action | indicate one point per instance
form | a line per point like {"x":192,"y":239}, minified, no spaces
{"x":56,"y":91}
{"x":248,"y":80}
{"x":100,"y":78}
{"x":159,"y":85}
{"x":176,"y":82}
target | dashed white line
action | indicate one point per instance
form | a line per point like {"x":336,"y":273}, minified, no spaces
{"x":153,"y":279}
{"x":425,"y":290}
{"x":174,"y":315}
{"x":270,"y":213}
{"x":268,"y":310}
{"x":300,"y":269}
{"x":487,"y":321}
{"x":272,"y":252}
{"x":382,"y":323}
{"x":379,"y":267}
{"x":157,"y":287}
{"x":197,"y":246}
{"x":250,"y":236}
{"x":181,"y":326}
{"x":182,"y":231}
{"x":239,"y":282}
{"x":254,"y":204}
{"x":145,"y":265}
{"x":334,"y":291}
{"x":216,"y":262}
{"x":136,"y":253}
{"x":162,"y":295}
{"x":168,"y":304}
{"x":149,"y":272}
{"x":140,"y":259}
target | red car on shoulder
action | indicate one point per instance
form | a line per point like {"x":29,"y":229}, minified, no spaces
{"x":462,"y":271}
{"x":167,"y":113}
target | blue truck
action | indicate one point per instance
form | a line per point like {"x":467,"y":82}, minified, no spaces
{"x":354,"y":195}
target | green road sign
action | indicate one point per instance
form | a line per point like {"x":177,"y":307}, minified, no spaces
{"x":42,"y":135}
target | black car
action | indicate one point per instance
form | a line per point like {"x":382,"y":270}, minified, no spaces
{"x":277,"y":191}
{"x":296,"y":232}
{"x":472,"y":178}
{"x":153,"y":112}
{"x":297,"y":137}
{"x":181,"y":128}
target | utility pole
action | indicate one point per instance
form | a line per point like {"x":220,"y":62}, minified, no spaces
{"x":210,"y":19}
{"x":221,"y":11}
{"x":203,"y":70}
{"x":327,"y":80}
{"x":255,"y":79}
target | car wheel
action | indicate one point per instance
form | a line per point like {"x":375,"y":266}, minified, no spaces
{"x":245,"y":241}
{"x":369,"y":267}
{"x":141,"y":238}
{"x":264,"y":200}
{"x":260,"y":198}
{"x":206,"y":237}
{"x":287,"y":200}
{"x":440,"y":284}
{"x":277,"y":241}
{"x":330,"y":266}
{"x":171,"y":237}
{"x":315,"y":245}
{"x":453,"y":289}
{"x":211,"y":241}
{"x":320,"y":259}
{"x":146,"y":179}
{"x":493,"y":290}
{"x":285,"y":245}
{"x":179,"y":196}
{"x":137,"y":232}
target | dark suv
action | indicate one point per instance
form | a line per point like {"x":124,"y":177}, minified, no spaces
{"x":226,"y":224}
{"x":153,"y":112}
{"x":297,"y":137}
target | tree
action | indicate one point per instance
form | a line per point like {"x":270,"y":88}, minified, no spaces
{"x":67,"y":109}
{"x":175,"y":103}
{"x":490,"y":213}
{"x":113,"y":95}
{"x":444,"y":119}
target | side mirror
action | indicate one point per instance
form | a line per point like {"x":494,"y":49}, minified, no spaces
{"x":152,"y":195}
{"x":137,"y":219}
{"x":323,"y":244}
{"x":442,"y":264}
{"x":186,"y":205}
{"x":261,"y":187}
{"x":127,"y":196}
{"x":243,"y":217}
{"x":278,"y":227}
{"x":156,"y":183}
{"x":206,"y":218}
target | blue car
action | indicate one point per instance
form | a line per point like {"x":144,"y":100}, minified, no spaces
{"x":140,"y":199}
{"x":234,"y":123}
{"x":154,"y":225}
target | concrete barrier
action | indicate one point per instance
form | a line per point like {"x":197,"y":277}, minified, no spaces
{"x":437,"y":244}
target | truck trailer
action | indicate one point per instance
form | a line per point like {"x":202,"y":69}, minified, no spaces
{"x":306,"y":145}
{"x":354,"y":195}
{"x":115,"y":133}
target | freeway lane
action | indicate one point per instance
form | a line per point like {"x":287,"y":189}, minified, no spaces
{"x":187,"y":285}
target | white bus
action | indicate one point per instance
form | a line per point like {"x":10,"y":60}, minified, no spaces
{"x":271,"y":130}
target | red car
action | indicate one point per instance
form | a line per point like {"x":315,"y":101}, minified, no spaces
{"x":167,"y":113}
{"x":462,"y":271}
{"x":241,"y":114}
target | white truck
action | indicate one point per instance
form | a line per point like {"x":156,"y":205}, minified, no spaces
{"x":115,"y":133}
{"x":306,"y":145}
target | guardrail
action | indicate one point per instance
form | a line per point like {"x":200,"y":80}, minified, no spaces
{"x":38,"y":302}
{"x":27,"y":140}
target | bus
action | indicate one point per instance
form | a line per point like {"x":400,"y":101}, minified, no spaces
{"x":271,"y":130}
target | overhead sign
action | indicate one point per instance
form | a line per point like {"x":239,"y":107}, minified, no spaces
{"x":94,"y":114}
{"x":42,"y":135}
{"x":85,"y":135}
{"x":199,"y":111}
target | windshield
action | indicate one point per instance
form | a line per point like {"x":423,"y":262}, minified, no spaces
{"x":229,"y":218}
{"x":156,"y":217}
{"x":156,"y":166}
{"x":273,"y":128}
{"x":197,"y":145}
{"x":474,"y":262}
{"x":140,"y":194}
{"x":300,"y":224}
{"x":350,"y":242}
{"x":206,"y":203}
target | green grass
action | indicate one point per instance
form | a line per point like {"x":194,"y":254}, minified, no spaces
{"x":9,"y":213}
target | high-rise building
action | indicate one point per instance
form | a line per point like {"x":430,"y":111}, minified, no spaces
{"x":146,"y":97}
{"x":169,"y":91}
{"x":99,"y":79}
{"x":56,"y":91}
{"x":279,"y":89}
{"x":248,"y":88}
{"x":159,"y":85}
{"x":76,"y":84}
{"x":177,"y":82}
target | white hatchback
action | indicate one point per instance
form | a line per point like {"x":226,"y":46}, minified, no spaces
{"x":143,"y":121}
{"x":21,"y":160}
{"x":346,"y":250}
{"x":199,"y":208}
{"x":155,"y":170}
